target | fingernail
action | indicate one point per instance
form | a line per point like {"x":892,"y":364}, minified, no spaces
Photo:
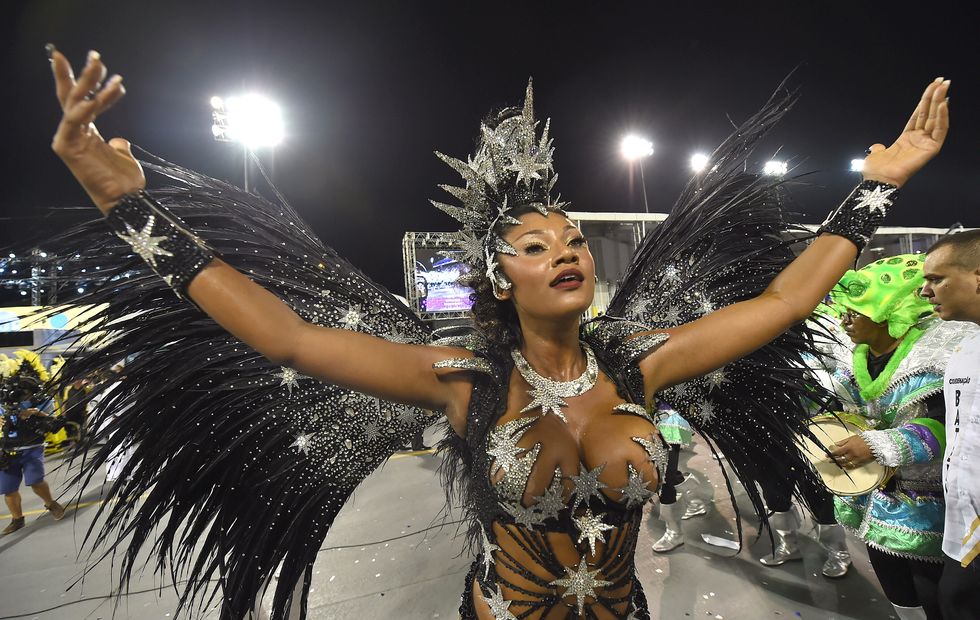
{"x":49,"y":50}
{"x":93,"y":56}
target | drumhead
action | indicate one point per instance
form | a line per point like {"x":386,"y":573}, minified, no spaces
{"x":857,"y":481}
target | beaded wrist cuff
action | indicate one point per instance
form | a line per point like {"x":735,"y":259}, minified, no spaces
{"x":161,"y":239}
{"x":861,"y":213}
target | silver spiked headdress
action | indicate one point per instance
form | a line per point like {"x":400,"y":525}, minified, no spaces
{"x":512,"y":169}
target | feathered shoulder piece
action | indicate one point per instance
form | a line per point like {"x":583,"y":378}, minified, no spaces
{"x":242,"y":464}
{"x":725,"y":240}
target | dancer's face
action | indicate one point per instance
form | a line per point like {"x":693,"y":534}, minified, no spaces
{"x":553,"y":274}
{"x":951,"y":288}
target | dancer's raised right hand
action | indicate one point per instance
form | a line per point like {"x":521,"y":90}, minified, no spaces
{"x":106,"y":170}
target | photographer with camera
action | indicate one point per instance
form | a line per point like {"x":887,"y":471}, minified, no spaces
{"x":22,"y":428}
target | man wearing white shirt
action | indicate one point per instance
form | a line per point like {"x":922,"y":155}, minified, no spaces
{"x":952,"y":273}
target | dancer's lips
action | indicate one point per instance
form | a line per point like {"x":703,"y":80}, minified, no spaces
{"x":567,"y":279}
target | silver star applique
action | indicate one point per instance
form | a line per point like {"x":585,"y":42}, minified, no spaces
{"x":472,"y":248}
{"x":144,"y":244}
{"x":875,"y":200}
{"x":512,"y":485}
{"x":706,"y":306}
{"x":580,"y":583}
{"x":706,"y":411}
{"x":302,"y":442}
{"x":551,"y":503}
{"x":591,"y":528}
{"x":587,"y":485}
{"x":718,"y":378}
{"x":635,"y":491}
{"x":488,"y":549}
{"x":672,"y":316}
{"x":502,"y":443}
{"x":498,"y":606}
{"x":656,"y":451}
{"x":526,"y":165}
{"x":405,"y":414}
{"x":352,"y":319}
{"x":527,"y":517}
{"x":548,"y":400}
{"x":671,"y":273}
{"x":288,"y":378}
{"x":371,"y":431}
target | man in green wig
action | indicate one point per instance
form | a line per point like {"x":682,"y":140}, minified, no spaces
{"x":895,"y":379}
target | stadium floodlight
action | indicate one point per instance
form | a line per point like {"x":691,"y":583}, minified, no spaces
{"x":699,"y":161}
{"x":253,"y":120}
{"x":775,"y":168}
{"x":635,"y":148}
{"x":857,"y":165}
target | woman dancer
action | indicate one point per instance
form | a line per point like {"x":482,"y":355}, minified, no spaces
{"x":555,"y":449}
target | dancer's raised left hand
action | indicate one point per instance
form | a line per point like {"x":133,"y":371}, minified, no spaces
{"x":919,"y":142}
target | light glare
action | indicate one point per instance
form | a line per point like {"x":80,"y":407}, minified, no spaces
{"x":775,"y":168}
{"x":254,"y":120}
{"x":857,"y":165}
{"x":699,"y":161}
{"x":634,"y":147}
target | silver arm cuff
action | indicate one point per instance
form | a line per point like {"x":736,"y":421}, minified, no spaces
{"x":885,"y":446}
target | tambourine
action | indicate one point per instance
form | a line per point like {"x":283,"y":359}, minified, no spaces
{"x":829,"y":429}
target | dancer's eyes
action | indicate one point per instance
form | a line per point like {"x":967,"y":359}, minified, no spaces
{"x":578,"y":242}
{"x":534,"y":248}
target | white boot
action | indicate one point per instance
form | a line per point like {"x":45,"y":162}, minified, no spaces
{"x":909,"y":613}
{"x":783,"y":526}
{"x":694,"y":507}
{"x":673,"y":538}
{"x":834,"y":540}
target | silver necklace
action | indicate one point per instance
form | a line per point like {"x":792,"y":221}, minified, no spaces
{"x":549,"y":394}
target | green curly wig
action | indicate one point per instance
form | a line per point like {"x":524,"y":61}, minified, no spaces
{"x":887,"y":290}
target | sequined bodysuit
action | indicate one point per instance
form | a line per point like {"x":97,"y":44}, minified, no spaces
{"x":559,"y":504}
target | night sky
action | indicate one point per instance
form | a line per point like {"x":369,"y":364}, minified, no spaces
{"x":369,"y":90}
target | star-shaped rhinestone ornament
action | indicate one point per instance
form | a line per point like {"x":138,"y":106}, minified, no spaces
{"x":635,"y":409}
{"x":549,"y":394}
{"x":352,"y":318}
{"x":488,"y":549}
{"x":656,"y":452}
{"x":877,"y":199}
{"x":144,"y":243}
{"x":580,"y":583}
{"x":635,"y":491}
{"x":302,"y":442}
{"x":511,"y":487}
{"x":498,"y":606}
{"x":289,"y":378}
{"x":548,"y":400}
{"x":591,"y":528}
{"x":551,"y":503}
{"x":502,"y":443}
{"x":527,"y":166}
{"x":588,"y":484}
{"x":523,"y":516}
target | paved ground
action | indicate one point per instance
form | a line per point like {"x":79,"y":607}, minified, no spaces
{"x":384,"y":559}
